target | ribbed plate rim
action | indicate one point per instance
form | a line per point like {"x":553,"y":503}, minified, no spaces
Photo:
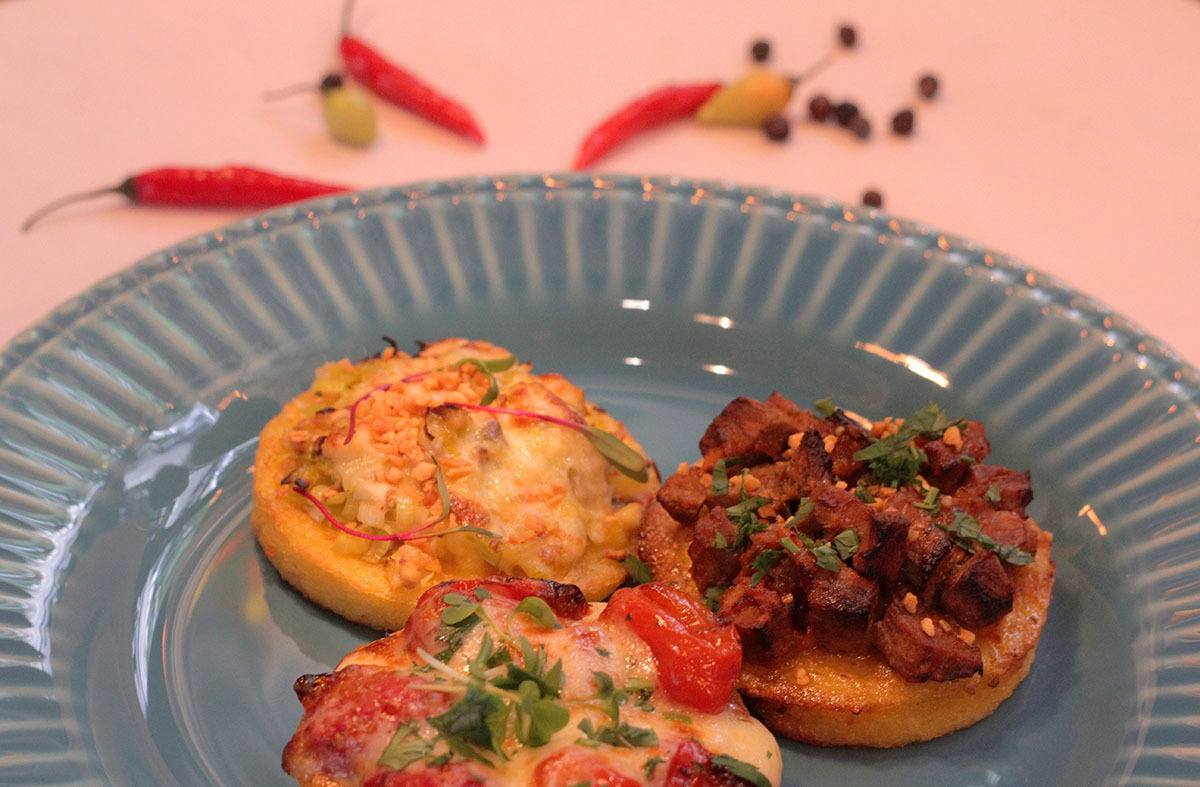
{"x":1088,"y":312}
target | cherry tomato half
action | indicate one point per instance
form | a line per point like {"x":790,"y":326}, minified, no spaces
{"x":698,"y":658}
{"x":579,"y":767}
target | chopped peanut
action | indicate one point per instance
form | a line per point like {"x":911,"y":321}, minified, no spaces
{"x":830,"y":442}
{"x":953,"y":438}
{"x":794,"y":440}
{"x":910,"y":603}
{"x":966,"y":636}
{"x":927,"y":627}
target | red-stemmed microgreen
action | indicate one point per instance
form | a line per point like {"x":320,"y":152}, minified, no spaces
{"x":416,"y":533}
{"x":628,"y":461}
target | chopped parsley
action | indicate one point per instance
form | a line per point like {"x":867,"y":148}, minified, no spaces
{"x":931,"y":503}
{"x":825,"y":407}
{"x":895,"y":459}
{"x":651,"y":764}
{"x":639,"y":572}
{"x":829,"y":554}
{"x":743,"y":517}
{"x":992,"y":495}
{"x":864,"y":494}
{"x":712,"y":597}
{"x":967,"y":533}
{"x":742,"y":770}
{"x":762,"y":564}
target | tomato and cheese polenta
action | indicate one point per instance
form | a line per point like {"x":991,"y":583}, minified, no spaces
{"x":522,"y":682}
{"x":392,"y":474}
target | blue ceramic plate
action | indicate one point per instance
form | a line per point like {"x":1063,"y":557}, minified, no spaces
{"x":144,"y":639}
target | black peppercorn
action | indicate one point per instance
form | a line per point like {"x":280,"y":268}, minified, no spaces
{"x":848,"y":36}
{"x":927,"y":85}
{"x":776,"y":128}
{"x":903,"y":122}
{"x":861,"y":127}
{"x":820,"y":108}
{"x":845,"y":112}
{"x":873,"y":198}
{"x":760,"y":50}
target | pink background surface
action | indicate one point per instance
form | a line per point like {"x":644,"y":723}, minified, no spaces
{"x":1068,"y":133}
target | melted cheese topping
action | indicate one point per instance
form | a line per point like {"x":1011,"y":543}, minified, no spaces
{"x":377,"y":435}
{"x":582,"y":646}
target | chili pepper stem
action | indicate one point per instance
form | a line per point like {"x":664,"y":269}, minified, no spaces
{"x":126,"y":188}
{"x":816,"y":68}
{"x":347,"y":12}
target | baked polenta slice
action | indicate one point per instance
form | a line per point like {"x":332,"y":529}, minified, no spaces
{"x":886,"y":582}
{"x":400,"y":471}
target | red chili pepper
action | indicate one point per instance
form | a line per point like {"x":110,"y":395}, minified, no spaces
{"x":404,"y":89}
{"x":223,"y":187}
{"x":673,"y":102}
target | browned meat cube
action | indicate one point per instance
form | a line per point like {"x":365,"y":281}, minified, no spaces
{"x":751,"y":606}
{"x":1015,"y":489}
{"x":1009,"y":527}
{"x":747,"y":427}
{"x":947,"y":467}
{"x":683,"y":494}
{"x":925,"y":547}
{"x":806,"y":469}
{"x":712,"y":565}
{"x":801,"y":420}
{"x":837,"y":510}
{"x":881,"y":556}
{"x":840,"y":610}
{"x":923,"y":651}
{"x":850,"y":441}
{"x":974,"y":441}
{"x":977,"y":591}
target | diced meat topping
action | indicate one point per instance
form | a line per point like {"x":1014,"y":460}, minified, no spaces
{"x":922,"y":651}
{"x":825,"y":523}
{"x":683,"y":494}
{"x":977,"y":592}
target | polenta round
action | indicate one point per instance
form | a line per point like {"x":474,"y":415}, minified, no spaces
{"x":377,"y":482}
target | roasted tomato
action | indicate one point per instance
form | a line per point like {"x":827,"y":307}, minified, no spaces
{"x":698,"y":658}
{"x":573,"y":767}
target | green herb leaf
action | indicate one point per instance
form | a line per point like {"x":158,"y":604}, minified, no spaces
{"x":968,"y":533}
{"x":763,"y":562}
{"x":482,"y":593}
{"x":487,"y":367}
{"x":651,"y":764}
{"x":720,"y":542}
{"x":747,"y":506}
{"x":929,"y":421}
{"x":683,"y":718}
{"x":639,"y":572}
{"x":804,"y":509}
{"x":622,"y":734}
{"x":827,"y":557}
{"x":458,"y":609}
{"x":405,"y":748}
{"x":712,"y":597}
{"x":742,"y":770}
{"x":789,"y":544}
{"x":603,"y":653}
{"x":537,"y":718}
{"x":452,"y":637}
{"x":533,"y":668}
{"x":864,"y":494}
{"x":846,"y":544}
{"x":472,"y":726}
{"x":931,"y":503}
{"x":993,"y":494}
{"x":720,"y":479}
{"x":628,"y":461}
{"x":825,"y":407}
{"x":539,"y":610}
